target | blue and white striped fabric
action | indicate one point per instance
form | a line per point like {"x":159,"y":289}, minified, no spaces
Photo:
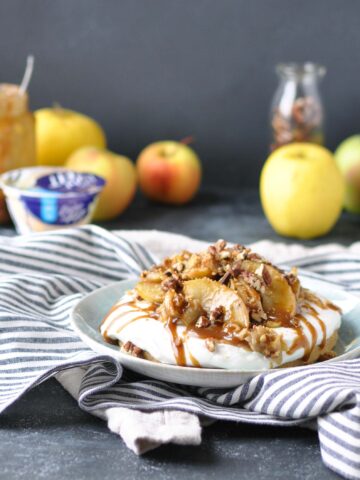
{"x":43,"y":276}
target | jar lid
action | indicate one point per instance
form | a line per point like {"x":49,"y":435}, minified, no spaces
{"x":300,"y":70}
{"x":13,"y":101}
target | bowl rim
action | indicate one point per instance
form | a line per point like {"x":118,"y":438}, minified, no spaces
{"x":12,"y":191}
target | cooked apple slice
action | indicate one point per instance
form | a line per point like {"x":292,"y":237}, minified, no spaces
{"x":250,"y":297}
{"x":278,"y":298}
{"x":210,"y":295}
{"x":192,"y":312}
{"x":150,"y":291}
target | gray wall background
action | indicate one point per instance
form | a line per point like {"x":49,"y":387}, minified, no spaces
{"x":155,"y":69}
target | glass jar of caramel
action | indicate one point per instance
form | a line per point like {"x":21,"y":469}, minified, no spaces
{"x":297,"y":113}
{"x":17,"y":134}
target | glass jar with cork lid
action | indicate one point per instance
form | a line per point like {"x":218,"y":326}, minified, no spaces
{"x":17,"y":130}
{"x":297,"y":112}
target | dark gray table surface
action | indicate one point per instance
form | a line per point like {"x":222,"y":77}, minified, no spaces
{"x":45,"y":434}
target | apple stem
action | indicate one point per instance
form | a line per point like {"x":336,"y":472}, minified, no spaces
{"x":57,"y":106}
{"x":187,"y":140}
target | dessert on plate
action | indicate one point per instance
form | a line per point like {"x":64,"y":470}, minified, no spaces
{"x":226,"y":307}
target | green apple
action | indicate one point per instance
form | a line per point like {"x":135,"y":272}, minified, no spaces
{"x":347,"y":157}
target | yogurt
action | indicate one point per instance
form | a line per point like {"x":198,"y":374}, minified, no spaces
{"x":46,"y":198}
{"x":126,"y":322}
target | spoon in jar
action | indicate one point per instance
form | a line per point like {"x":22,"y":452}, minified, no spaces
{"x":27,"y":74}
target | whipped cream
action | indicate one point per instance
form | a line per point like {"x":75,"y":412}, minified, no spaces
{"x":129,"y":322}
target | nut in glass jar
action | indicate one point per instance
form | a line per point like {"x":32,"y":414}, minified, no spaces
{"x":297,"y":113}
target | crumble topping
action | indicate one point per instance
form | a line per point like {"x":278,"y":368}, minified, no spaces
{"x":225,"y":294}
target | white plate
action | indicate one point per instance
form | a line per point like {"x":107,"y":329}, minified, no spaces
{"x":88,"y":313}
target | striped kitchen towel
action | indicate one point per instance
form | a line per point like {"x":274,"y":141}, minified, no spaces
{"x":42,"y":276}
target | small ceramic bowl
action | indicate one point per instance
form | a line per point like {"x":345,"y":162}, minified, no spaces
{"x":45,"y":198}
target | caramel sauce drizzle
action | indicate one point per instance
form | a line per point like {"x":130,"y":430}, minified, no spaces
{"x":194,"y":361}
{"x":145,"y":313}
{"x":315,"y":314}
{"x":301,"y":340}
{"x":217,"y":332}
{"x":227,"y":336}
{"x":176,"y":343}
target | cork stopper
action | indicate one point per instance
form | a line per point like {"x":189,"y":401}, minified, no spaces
{"x":13,"y":101}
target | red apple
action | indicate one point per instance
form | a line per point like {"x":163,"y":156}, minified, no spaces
{"x":169,"y":172}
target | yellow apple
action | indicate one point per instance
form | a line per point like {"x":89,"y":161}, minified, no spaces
{"x":59,"y":132}
{"x":347,"y":157}
{"x":301,"y":190}
{"x":119,"y":173}
{"x":169,"y":172}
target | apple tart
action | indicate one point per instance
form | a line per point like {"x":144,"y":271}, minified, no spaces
{"x":226,"y":307}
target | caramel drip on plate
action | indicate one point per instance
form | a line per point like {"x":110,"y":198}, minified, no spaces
{"x":315,"y":314}
{"x":112,"y":310}
{"x":314,"y":337}
{"x":217,"y":332}
{"x":131,"y":321}
{"x":193,"y":360}
{"x":302,"y":340}
{"x":144,"y":313}
{"x":324,"y":304}
{"x":110,"y":340}
{"x":176,"y":343}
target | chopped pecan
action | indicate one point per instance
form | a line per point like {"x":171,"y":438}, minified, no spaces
{"x":179,"y":266}
{"x":241,"y":256}
{"x":132,"y":349}
{"x":265,"y":340}
{"x":217,"y":315}
{"x":154,"y":276}
{"x":253,"y":281}
{"x":173,"y":305}
{"x":236,"y":269}
{"x":258,"y":315}
{"x":212,"y":250}
{"x":226,"y":277}
{"x":202,"y":322}
{"x":266,"y":276}
{"x":172,"y":283}
{"x":210,"y":344}
{"x":253,"y":256}
{"x":225,"y":254}
{"x":242,"y":334}
{"x":327,"y":356}
{"x":185,"y":254}
{"x":220,"y":245}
